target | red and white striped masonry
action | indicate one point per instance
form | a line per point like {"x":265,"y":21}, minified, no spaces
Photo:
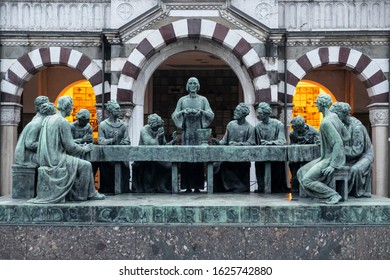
{"x":192,"y":29}
{"x":22,"y":70}
{"x":365,"y":68}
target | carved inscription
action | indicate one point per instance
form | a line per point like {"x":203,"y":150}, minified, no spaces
{"x":208,"y":215}
{"x":292,"y":215}
{"x":122,"y":215}
{"x":365,"y":215}
{"x":31,"y":214}
{"x":178,"y":215}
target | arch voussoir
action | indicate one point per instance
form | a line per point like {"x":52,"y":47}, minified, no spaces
{"x":363,"y":66}
{"x":23,"y":69}
{"x":192,"y":28}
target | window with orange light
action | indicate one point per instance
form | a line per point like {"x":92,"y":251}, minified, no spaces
{"x":83,"y":97}
{"x":304,"y":98}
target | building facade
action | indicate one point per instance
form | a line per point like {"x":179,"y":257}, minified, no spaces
{"x":141,"y":53}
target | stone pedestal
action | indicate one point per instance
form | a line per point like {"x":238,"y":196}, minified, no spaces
{"x":10,"y":118}
{"x":196,"y":226}
{"x":23,"y":181}
{"x":379,"y":118}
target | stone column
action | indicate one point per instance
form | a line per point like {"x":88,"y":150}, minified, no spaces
{"x":99,"y":112}
{"x":136,"y":122}
{"x":287,"y":132}
{"x":379,"y":118}
{"x":10,"y":118}
{"x":289,"y":117}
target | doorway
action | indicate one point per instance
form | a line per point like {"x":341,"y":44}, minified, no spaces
{"x":218,"y":83}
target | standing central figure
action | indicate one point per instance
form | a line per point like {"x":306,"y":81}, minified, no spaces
{"x":192,"y":112}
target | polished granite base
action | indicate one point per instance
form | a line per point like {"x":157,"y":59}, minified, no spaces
{"x":196,"y":226}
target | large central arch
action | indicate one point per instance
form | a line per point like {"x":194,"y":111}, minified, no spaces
{"x":190,"y":35}
{"x":192,"y":29}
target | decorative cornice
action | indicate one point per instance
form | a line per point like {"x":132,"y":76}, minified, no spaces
{"x":49,"y":40}
{"x":165,"y":12}
{"x":170,"y":7}
{"x":146,"y":26}
{"x":252,"y":31}
{"x":50,"y":44}
{"x":323,"y":43}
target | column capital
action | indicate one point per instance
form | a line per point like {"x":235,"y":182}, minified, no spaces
{"x":10,"y":113}
{"x":379,"y":114}
{"x":126,"y":110}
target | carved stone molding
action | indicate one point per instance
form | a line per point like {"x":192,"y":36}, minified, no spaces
{"x":194,"y":7}
{"x":333,"y":15}
{"x":379,"y":114}
{"x":323,"y":43}
{"x":49,"y":44}
{"x":55,"y":15}
{"x":125,"y":11}
{"x":126,"y":111}
{"x":148,"y":25}
{"x":10,"y":113}
{"x":230,"y":18}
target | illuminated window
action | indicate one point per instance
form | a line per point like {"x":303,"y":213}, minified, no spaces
{"x":83,"y":98}
{"x":304,"y":99}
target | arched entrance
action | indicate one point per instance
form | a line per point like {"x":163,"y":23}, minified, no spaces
{"x":26,"y":66}
{"x":13,"y":85}
{"x":367,"y":71}
{"x":190,"y":35}
{"x":376,"y":86}
{"x":219,"y":84}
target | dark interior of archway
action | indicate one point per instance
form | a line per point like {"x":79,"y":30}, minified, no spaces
{"x":220,"y":87}
{"x":218,"y":83}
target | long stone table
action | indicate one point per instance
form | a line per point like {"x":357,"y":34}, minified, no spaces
{"x":206,"y":154}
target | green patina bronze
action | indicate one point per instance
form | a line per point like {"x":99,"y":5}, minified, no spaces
{"x":359,"y":152}
{"x":62,"y":175}
{"x":234,"y":176}
{"x":302,"y":134}
{"x":153,"y":176}
{"x":25,"y":166}
{"x":269,"y":132}
{"x":192,"y":112}
{"x":316,"y":176}
{"x":65,"y":153}
{"x":113,"y":131}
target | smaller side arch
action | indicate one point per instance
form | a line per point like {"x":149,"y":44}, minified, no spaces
{"x":367,"y":71}
{"x":192,"y":29}
{"x":22,"y":70}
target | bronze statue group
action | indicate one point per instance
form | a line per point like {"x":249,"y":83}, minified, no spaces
{"x":58,"y":149}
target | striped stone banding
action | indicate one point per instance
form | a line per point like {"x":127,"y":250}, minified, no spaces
{"x":263,"y":95}
{"x":368,"y":72}
{"x":22,"y":70}
{"x":191,"y":29}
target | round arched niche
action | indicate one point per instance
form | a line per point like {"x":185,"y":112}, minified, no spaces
{"x":141,"y":83}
